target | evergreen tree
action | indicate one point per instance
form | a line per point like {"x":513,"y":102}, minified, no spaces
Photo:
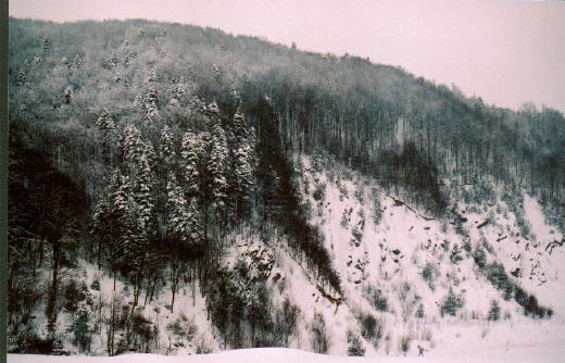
{"x":143,"y":196}
{"x":451,"y":304}
{"x":82,"y":326}
{"x":177,"y":219}
{"x":110,"y":220}
{"x":191,"y":152}
{"x":183,"y":222}
{"x":179,"y":225}
{"x":124,"y":229}
{"x":243,"y":143}
{"x":137,"y":156}
{"x":106,"y":122}
{"x":217,"y":170}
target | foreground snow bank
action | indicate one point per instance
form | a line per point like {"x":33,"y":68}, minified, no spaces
{"x":546,"y":352}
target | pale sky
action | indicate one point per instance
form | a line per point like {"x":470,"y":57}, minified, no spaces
{"x":507,"y":52}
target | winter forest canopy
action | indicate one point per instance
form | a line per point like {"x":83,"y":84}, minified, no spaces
{"x":170,"y":158}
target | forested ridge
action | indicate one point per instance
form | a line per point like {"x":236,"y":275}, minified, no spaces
{"x":146,"y":147}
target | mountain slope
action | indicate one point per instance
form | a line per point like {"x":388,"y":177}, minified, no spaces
{"x":232,"y":193}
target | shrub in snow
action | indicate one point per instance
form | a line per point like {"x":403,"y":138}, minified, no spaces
{"x":357,"y":235}
{"x":376,"y":297}
{"x":182,"y":329}
{"x":345,"y":219}
{"x":203,"y":346}
{"x":355,"y":345}
{"x":359,"y":195}
{"x":82,"y":326}
{"x":320,"y":339}
{"x":494,"y":311}
{"x":480,"y":257}
{"x":451,"y":304}
{"x":377,"y":212}
{"x":530,"y":304}
{"x":286,"y":320}
{"x":95,"y":285}
{"x":143,"y":332}
{"x":497,"y":276}
{"x":320,"y":193}
{"x":420,"y":313}
{"x":372,"y":328}
{"x":405,"y":343}
{"x":428,"y":274}
{"x":455,"y":256}
{"x":72,"y":296}
{"x":28,"y":342}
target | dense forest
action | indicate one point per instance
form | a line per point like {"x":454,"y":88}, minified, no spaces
{"x":144,"y":147}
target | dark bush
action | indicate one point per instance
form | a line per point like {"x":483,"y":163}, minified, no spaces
{"x":451,"y":304}
{"x":320,"y":338}
{"x":420,"y":312}
{"x":428,"y":274}
{"x":480,"y":257}
{"x":405,"y":343}
{"x":372,"y":328}
{"x":320,"y":192}
{"x":32,"y":344}
{"x":531,"y":305}
{"x":355,"y":347}
{"x":494,"y":311}
{"x":497,"y":276}
{"x":376,"y":297}
{"x":455,"y":256}
{"x":72,"y":295}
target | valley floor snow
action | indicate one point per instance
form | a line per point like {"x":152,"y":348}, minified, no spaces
{"x":549,"y":352}
{"x":516,"y":342}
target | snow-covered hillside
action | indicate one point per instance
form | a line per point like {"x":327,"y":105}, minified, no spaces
{"x":411,"y":280}
{"x":177,"y":190}
{"x":486,"y":281}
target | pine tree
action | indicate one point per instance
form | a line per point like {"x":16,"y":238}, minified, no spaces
{"x":137,"y":156}
{"x":451,"y":304}
{"x":242,"y":140}
{"x":138,"y":223}
{"x":167,"y":151}
{"x":217,"y":170}
{"x":183,"y":224}
{"x":123,"y":231}
{"x":184,"y":231}
{"x":112,"y":222}
{"x":106,"y":122}
{"x":177,"y":226}
{"x":143,"y":197}
{"x":191,"y":153}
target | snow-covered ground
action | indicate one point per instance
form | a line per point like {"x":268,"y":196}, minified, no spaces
{"x":550,"y":351}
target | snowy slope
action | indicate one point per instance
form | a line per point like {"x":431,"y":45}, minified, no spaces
{"x":397,"y":266}
{"x":189,"y":308}
{"x":387,"y":251}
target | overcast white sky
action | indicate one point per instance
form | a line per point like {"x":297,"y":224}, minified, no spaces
{"x":507,"y":52}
